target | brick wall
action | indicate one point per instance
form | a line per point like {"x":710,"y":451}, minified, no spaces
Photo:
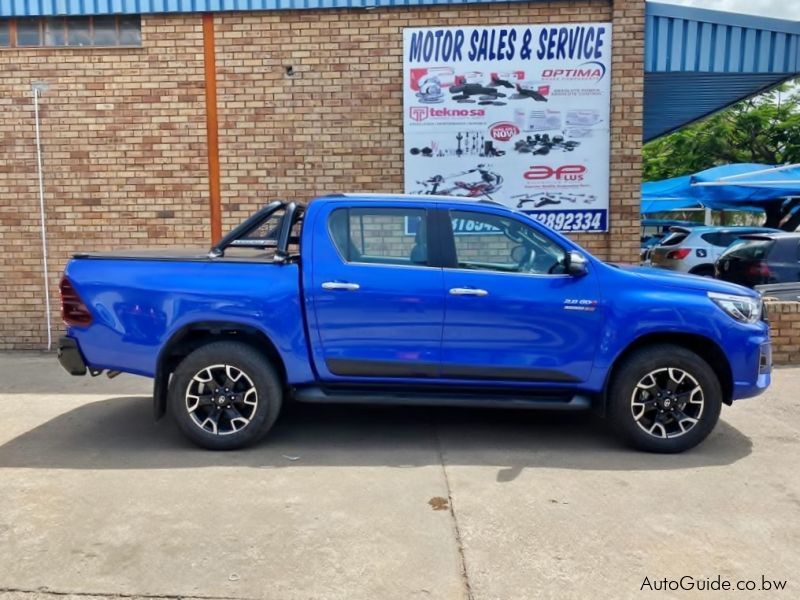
{"x":784,"y":324}
{"x":124,"y":130}
{"x":123,"y":135}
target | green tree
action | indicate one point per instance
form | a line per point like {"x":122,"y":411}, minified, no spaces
{"x":764,"y":129}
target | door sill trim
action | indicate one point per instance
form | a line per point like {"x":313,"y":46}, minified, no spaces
{"x":489,"y":399}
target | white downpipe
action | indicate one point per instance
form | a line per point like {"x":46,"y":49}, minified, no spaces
{"x":45,"y":272}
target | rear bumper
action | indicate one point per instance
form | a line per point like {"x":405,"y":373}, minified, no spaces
{"x":70,"y":357}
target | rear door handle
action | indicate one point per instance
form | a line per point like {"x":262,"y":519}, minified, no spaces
{"x":340,"y":285}
{"x":468,"y":292}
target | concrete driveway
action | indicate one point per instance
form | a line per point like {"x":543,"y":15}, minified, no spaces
{"x":382,"y":503}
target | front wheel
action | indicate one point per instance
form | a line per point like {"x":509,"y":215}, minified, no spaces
{"x":225,"y":395}
{"x":665,"y":399}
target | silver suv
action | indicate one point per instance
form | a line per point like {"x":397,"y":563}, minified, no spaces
{"x":695,"y":249}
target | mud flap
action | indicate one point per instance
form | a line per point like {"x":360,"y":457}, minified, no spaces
{"x":160,"y":391}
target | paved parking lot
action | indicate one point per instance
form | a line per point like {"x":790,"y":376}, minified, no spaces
{"x":381,"y":503}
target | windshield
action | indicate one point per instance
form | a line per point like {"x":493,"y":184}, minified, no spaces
{"x":749,"y":249}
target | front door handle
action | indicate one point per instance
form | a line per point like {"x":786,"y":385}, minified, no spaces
{"x":468,"y":292}
{"x":340,"y":285}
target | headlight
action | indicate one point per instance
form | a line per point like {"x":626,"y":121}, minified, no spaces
{"x":742,"y":308}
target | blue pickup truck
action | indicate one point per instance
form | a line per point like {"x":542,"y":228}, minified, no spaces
{"x":412,"y":300}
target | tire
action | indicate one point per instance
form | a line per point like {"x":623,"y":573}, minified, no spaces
{"x":226,"y":420}
{"x":667,"y":423}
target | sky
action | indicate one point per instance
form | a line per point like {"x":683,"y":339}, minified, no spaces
{"x":780,"y":9}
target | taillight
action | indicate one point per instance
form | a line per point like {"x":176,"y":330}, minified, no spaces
{"x":678,"y":254}
{"x":759,"y":269}
{"x":73,"y":310}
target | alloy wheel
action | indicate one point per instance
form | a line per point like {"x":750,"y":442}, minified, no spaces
{"x":221,"y":399}
{"x":667,"y":403}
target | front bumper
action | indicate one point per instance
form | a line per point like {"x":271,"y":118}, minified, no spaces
{"x":70,"y":357}
{"x":754,"y":375}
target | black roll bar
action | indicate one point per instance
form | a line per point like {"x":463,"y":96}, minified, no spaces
{"x":250,"y":224}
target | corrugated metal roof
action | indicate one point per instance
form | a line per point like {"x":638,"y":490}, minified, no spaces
{"x":671,"y":100}
{"x":23,"y":8}
{"x":679,"y":38}
{"x":699,"y":61}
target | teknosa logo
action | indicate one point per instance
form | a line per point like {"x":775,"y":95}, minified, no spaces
{"x":421,"y":113}
{"x":588,"y":71}
{"x":562,"y":173}
{"x":418,"y":113}
{"x":503,"y":131}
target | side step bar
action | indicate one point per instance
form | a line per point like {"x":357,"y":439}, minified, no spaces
{"x":488,"y":400}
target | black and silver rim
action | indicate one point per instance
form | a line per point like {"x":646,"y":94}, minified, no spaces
{"x":667,"y":403}
{"x":221,"y":399}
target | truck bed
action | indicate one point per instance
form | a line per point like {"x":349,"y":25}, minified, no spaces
{"x":142,"y":299}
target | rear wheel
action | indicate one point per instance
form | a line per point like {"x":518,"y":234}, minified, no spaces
{"x":665,"y":399}
{"x":225,"y":395}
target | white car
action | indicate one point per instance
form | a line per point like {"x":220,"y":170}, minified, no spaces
{"x":695,"y":249}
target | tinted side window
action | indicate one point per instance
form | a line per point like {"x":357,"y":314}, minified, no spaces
{"x":392,"y":236}
{"x":487,"y":242}
{"x":715,"y":239}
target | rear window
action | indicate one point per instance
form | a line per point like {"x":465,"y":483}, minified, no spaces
{"x":390,"y":236}
{"x":750,"y":249}
{"x":674,"y":238}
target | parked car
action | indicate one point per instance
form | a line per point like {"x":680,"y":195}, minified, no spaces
{"x":653,"y":231}
{"x":647,"y":243}
{"x":695,"y":250}
{"x":762,"y":258}
{"x":412,"y":300}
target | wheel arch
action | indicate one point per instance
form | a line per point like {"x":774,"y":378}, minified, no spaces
{"x":192,"y":336}
{"x":701,"y":345}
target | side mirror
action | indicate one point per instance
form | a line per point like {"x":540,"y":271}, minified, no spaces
{"x":577,"y":265}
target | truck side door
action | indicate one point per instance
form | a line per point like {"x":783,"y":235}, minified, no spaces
{"x":512,"y":313}
{"x":376,"y":304}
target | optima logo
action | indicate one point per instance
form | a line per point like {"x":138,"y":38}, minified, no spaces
{"x":588,"y":71}
{"x":421,"y":113}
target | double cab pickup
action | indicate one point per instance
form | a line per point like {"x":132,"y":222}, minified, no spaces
{"x":412,"y":300}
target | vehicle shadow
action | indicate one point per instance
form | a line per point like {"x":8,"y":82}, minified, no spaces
{"x":119,"y":433}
